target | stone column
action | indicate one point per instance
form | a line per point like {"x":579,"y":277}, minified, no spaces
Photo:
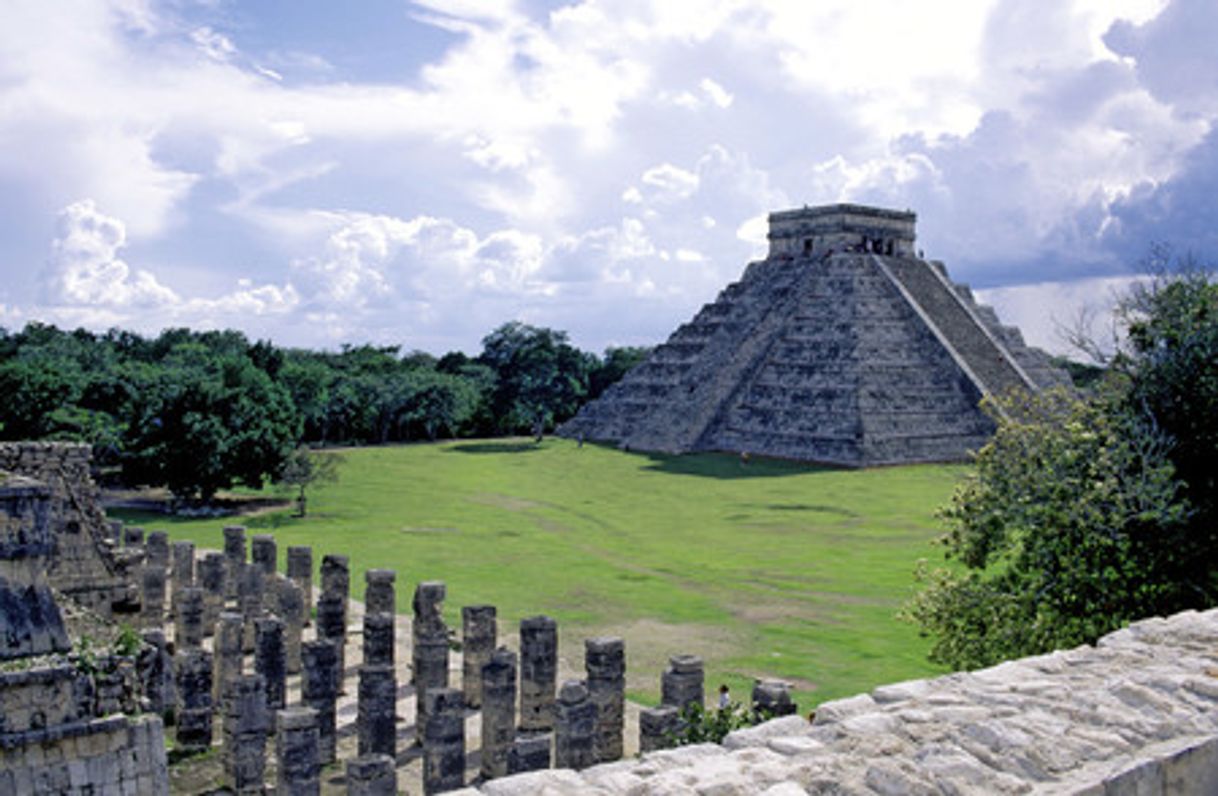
{"x":379,"y":592}
{"x":498,"y":712}
{"x":444,"y":741}
{"x":529,"y":753}
{"x":574,"y":726}
{"x":371,"y":775}
{"x":154,"y":667}
{"x":249,"y":598}
{"x":538,"y":672}
{"x":319,"y":690}
{"x":194,"y":687}
{"x":378,"y":690}
{"x":227,"y":654}
{"x":332,"y":626}
{"x":291,"y":609}
{"x":605,"y":663}
{"x":264,"y":553}
{"x":332,"y":606}
{"x":245,"y":724}
{"x":428,"y":621}
{"x":656,"y":726}
{"x":477,"y":644}
{"x":771,"y":699}
{"x":188,"y":623}
{"x":133,"y":536}
{"x":183,"y":572}
{"x":269,"y":660}
{"x":336,"y":575}
{"x":152,"y":596}
{"x":296,"y":752}
{"x":430,"y":652}
{"x":156,"y":551}
{"x":234,"y":558}
{"x":211,"y":579}
{"x":300,"y":571}
{"x":682,"y":682}
{"x":379,"y":638}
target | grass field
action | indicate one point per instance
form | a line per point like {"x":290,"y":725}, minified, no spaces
{"x":769,"y":568}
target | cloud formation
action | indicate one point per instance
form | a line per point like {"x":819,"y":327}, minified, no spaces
{"x":603,"y":167}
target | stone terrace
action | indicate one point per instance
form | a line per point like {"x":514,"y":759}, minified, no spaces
{"x":1136,"y":714}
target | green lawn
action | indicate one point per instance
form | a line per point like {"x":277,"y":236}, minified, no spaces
{"x":768,"y":568}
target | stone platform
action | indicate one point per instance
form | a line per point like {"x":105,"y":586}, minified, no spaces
{"x":1136,"y":714}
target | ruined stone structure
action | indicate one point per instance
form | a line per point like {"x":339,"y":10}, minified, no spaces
{"x":477,"y":644}
{"x":574,"y":726}
{"x":1135,"y":714}
{"x":83,"y":562}
{"x":444,"y":741}
{"x":296,"y":752}
{"x":498,"y":712}
{"x":842,"y":346}
{"x":54,"y":737}
{"x":30,"y":622}
{"x":538,"y":672}
{"x":682,"y":683}
{"x":605,"y":662}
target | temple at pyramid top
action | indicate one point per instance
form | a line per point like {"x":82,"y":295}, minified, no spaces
{"x":841,"y":346}
{"x":842,"y":227}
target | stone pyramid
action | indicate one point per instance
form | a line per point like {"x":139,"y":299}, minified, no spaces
{"x":842,"y":346}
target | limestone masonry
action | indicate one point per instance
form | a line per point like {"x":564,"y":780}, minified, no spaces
{"x":842,"y":346}
{"x":1136,"y":714}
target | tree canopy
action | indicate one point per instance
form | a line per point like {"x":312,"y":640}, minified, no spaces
{"x":1086,"y":512}
{"x":202,"y":411}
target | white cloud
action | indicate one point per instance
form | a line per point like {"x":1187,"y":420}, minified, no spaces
{"x":542,"y":156}
{"x":85,"y":282}
{"x":84,"y":267}
{"x":1047,"y":312}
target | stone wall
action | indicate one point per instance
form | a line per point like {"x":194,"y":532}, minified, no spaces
{"x":1135,"y":714}
{"x":57,"y":734}
{"x":82,"y":564}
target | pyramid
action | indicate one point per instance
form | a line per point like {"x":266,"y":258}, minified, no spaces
{"x":842,"y":346}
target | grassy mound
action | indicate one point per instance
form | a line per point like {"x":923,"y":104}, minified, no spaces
{"x":765,"y":568}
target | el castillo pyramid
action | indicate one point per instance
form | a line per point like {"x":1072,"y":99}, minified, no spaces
{"x":842,"y":346}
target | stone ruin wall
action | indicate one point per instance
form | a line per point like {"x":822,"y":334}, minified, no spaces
{"x":63,"y":728}
{"x":82,"y":563}
{"x":1135,"y":714}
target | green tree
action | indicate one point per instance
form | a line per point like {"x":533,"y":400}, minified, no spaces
{"x":303,"y":469}
{"x":1061,"y":530}
{"x":208,"y":422}
{"x":541,"y":378}
{"x":1084,"y":514}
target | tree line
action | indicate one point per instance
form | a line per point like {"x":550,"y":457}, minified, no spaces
{"x":202,"y":411}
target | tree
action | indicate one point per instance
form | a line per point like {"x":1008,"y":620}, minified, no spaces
{"x":616,"y":363}
{"x":303,"y":469}
{"x":207,"y":422}
{"x":541,"y":378}
{"x":1083,"y":514}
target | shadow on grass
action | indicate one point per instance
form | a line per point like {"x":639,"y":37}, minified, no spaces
{"x":513,"y":446}
{"x":727,"y":466}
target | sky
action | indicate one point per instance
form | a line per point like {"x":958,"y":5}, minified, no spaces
{"x":418,"y":173}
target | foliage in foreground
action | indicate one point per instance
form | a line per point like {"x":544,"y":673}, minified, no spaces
{"x":1085,"y":514}
{"x":701,"y":725}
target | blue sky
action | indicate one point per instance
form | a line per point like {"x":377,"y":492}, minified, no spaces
{"x":417,"y":173}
